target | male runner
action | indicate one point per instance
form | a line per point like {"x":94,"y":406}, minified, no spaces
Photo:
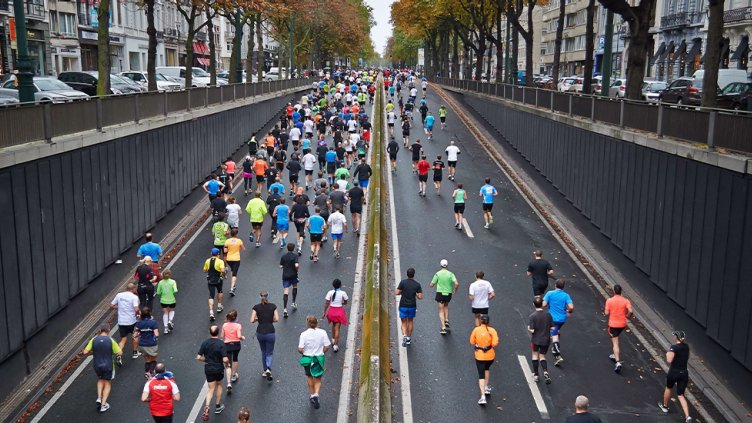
{"x":423,"y":167}
{"x":487,"y":193}
{"x":300,"y":215}
{"x":446,"y":284}
{"x":452,"y":152}
{"x":429,"y":120}
{"x":442,"y":116}
{"x":438,"y":166}
{"x":559,"y":306}
{"x":540,"y":325}
{"x":289,"y":264}
{"x":281,"y":215}
{"x":103,"y":348}
{"x":214,"y":355}
{"x":618,"y":309}
{"x":393,"y":148}
{"x":309,"y":164}
{"x":316,"y":228}
{"x":409,"y":291}
{"x":233,"y":247}
{"x":363,"y":173}
{"x":214,"y":267}
{"x":256,"y":210}
{"x":338,"y":226}
{"x":459,"y":196}
{"x":539,"y":270}
{"x":357,"y":198}
{"x":126,"y":303}
{"x":480,"y":293}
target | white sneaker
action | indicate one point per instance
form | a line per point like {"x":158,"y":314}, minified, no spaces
{"x":488,"y":390}
{"x":335,"y":348}
{"x":482,"y":400}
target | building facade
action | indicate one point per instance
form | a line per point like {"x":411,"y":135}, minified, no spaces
{"x":737,"y":21}
{"x":572,"y":61}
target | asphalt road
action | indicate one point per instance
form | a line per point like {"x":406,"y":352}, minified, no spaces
{"x":442,"y":372}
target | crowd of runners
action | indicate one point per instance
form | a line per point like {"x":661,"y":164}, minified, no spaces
{"x":325,"y":135}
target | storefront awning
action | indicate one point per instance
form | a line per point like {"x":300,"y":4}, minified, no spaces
{"x":658,"y":53}
{"x":204,"y":61}
{"x":695,"y":49}
{"x":669,"y":54}
{"x":742,"y":50}
{"x":200,"y":48}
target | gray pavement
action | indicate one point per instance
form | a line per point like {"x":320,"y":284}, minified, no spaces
{"x":443,"y":378}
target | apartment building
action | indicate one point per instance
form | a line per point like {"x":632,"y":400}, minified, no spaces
{"x":37,"y":33}
{"x":573,"y":42}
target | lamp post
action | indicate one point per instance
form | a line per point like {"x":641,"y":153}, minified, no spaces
{"x":609,"y":36}
{"x":236,"y":46}
{"x":25,"y":76}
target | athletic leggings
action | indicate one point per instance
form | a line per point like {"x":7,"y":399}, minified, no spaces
{"x":248,"y":183}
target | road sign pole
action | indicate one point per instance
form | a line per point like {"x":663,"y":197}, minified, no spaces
{"x":25,"y":70}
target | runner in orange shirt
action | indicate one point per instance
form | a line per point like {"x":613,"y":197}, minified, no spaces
{"x":269,"y":141}
{"x":484,"y":338}
{"x":260,"y":167}
{"x":618,"y":309}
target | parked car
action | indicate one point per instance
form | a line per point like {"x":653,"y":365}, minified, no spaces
{"x":121,"y":80}
{"x":225,"y":75}
{"x":87,"y":82}
{"x":596,"y":85}
{"x":725,"y":76}
{"x":140,"y":78}
{"x":565,"y":83}
{"x":576,"y":85}
{"x":735,"y":96}
{"x":273,"y":74}
{"x":651,"y":90}
{"x":7,"y":100}
{"x":683,"y":91}
{"x":200,"y":77}
{"x":521,"y":78}
{"x":46,"y":90}
{"x":618,"y":88}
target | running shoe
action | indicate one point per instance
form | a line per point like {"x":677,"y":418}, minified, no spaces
{"x":547,"y":378}
{"x":482,"y":400}
{"x":535,"y":377}
{"x":258,"y":244}
{"x":119,"y":361}
{"x":219,"y":408}
{"x":612,"y":358}
{"x":229,"y":389}
{"x":457,"y":225}
{"x":311,"y":257}
{"x":316,"y":403}
{"x":617,"y":368}
{"x":490,"y":220}
{"x":269,"y":376}
{"x":281,"y":245}
{"x":284,"y":313}
{"x":315,"y":259}
{"x":404,"y":341}
{"x":558,"y":361}
{"x":234,"y":378}
{"x":170,"y":325}
{"x":219,"y":308}
{"x":408,"y":341}
{"x":294,"y":305}
{"x":232,"y":292}
{"x":205,"y":414}
{"x":136,"y":354}
{"x":446,"y":323}
{"x":485,"y":226}
{"x":663,"y":407}
{"x":99,"y":402}
{"x":104,"y":407}
{"x":335,"y":348}
{"x":688,"y":419}
{"x":250,"y":237}
{"x":211,"y":317}
{"x":488,"y":390}
{"x":443,"y":331}
{"x":166,"y":330}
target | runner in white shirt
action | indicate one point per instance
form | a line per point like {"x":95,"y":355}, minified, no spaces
{"x":413,"y":92}
{"x":348,"y":98}
{"x":391,"y":117}
{"x":309,"y":163}
{"x":295,"y":136}
{"x":480,"y":292}
{"x":338,"y":226}
{"x":233,"y":212}
{"x":313,"y":343}
{"x":352,"y":125}
{"x":452,"y":153}
{"x":308,"y":126}
{"x":126,"y":304}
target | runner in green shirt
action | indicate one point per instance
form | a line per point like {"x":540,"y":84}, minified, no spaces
{"x":442,"y":116}
{"x":166,"y":289}
{"x":220,"y":230}
{"x":446,"y":284}
{"x":342,"y":173}
{"x":459,"y":195}
{"x":256,"y":210}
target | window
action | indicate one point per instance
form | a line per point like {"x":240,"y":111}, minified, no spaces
{"x":67,"y":23}
{"x":54,"y":25}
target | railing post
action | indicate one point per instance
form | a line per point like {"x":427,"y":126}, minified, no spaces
{"x":47,"y":118}
{"x":711,"y":130}
{"x":659,"y":124}
{"x":552,"y":100}
{"x":206,"y":96}
{"x":99,"y":113}
{"x":592,"y":108}
{"x":188,"y":107}
{"x":505,"y":90}
{"x":164,"y":103}
{"x":136,"y":108}
{"x":621,"y":114}
{"x":570,"y":105}
{"x":536,"y":97}
{"x":523,"y":95}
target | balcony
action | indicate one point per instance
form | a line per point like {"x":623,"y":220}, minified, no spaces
{"x":35,"y":10}
{"x":681,"y":19}
{"x":4,"y":6}
{"x":737,"y":15}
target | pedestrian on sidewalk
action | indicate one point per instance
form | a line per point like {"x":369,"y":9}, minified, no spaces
{"x":147,"y":332}
{"x":485,"y":339}
{"x":446,"y":284}
{"x":104,"y":349}
{"x":409,"y":291}
{"x":233,"y":247}
{"x":146,"y":281}
{"x":161,"y":392}
{"x":214,"y":355}
{"x":127,"y":305}
{"x":677,"y":357}
{"x":334,"y":310}
{"x":618,"y":309}
{"x":214,"y":267}
{"x":540,"y":324}
{"x":560,"y":306}
{"x":256,"y":210}
{"x":459,"y":196}
{"x":539,"y":270}
{"x":166,"y":290}
{"x":479,"y":293}
{"x":581,"y":414}
{"x":265,"y":314}
{"x":312,"y":344}
{"x":487,"y":193}
{"x":232,"y":333}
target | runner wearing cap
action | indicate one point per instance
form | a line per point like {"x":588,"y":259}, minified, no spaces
{"x":446,"y":284}
{"x":214,"y":267}
{"x":677,"y":357}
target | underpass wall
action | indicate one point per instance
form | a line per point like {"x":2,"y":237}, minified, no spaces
{"x":66,"y":217}
{"x":684,"y":223}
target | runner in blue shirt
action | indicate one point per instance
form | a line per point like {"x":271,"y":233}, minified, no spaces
{"x":429,"y":125}
{"x":316,"y":227}
{"x":559,"y":307}
{"x":150,"y":248}
{"x":306,"y":145}
{"x":331,"y":163}
{"x":295,"y":116}
{"x":213,"y":186}
{"x":282,"y":214}
{"x":488,"y":192}
{"x":279,"y":186}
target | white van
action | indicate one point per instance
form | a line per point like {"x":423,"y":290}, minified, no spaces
{"x":725,"y":76}
{"x":201,"y":78}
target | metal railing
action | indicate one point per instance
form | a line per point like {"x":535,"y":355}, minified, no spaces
{"x":27,"y":123}
{"x":709,"y":126}
{"x":738,"y":15}
{"x":681,"y":19}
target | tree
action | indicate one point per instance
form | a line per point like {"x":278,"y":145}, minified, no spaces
{"x":559,"y":41}
{"x":191,"y":10}
{"x":639,"y":18}
{"x":515,"y":12}
{"x":151,"y":53}
{"x":260,"y":42}
{"x":713,"y":52}
{"x":402,"y":48}
{"x":212,"y":47}
{"x":587,"y":85}
{"x":103,"y":45}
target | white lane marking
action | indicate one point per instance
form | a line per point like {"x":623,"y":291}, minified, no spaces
{"x":468,"y":231}
{"x":348,"y":368}
{"x":407,"y":405}
{"x":61,"y":391}
{"x":198,"y":405}
{"x":533,"y":387}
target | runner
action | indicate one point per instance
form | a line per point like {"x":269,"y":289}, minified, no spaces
{"x":272,"y":201}
{"x":438,"y":166}
{"x":146,"y":281}
{"x":160,"y":392}
{"x":104,"y":349}
{"x":225,"y":180}
{"x":452,"y":152}
{"x":256,"y":210}
{"x":289,"y":264}
{"x":214,"y":355}
{"x":331,"y":164}
{"x":391,"y":117}
{"x":214,"y":268}
{"x":213,"y":186}
{"x":233,"y":213}
{"x":334,"y":310}
{"x":446,"y":284}
{"x":309,"y":164}
{"x":300,"y":215}
{"x":147,"y":331}
{"x":487,"y":193}
{"x":265,"y":314}
{"x":539,"y":270}
{"x":247,"y":175}
{"x":166,"y":290}
{"x":442,"y":116}
{"x":282,"y":215}
{"x":259,"y":168}
{"x":127,"y":305}
{"x":252,"y":144}
{"x":269,"y":142}
{"x":393,"y":148}
{"x":677,"y":357}
{"x":480,"y":293}
{"x":356,"y":196}
{"x":338,"y":226}
{"x":409,"y":291}
{"x":322,"y":201}
{"x":540,"y":325}
{"x":618,"y":309}
{"x":149,"y":248}
{"x":313,"y":343}
{"x":559,"y":306}
{"x":219,"y":231}
{"x":218,"y":205}
{"x":244,"y":415}
{"x":363,"y":173}
{"x":276,"y":184}
{"x":316,"y":227}
{"x":294,"y":167}
{"x":232,"y":333}
{"x":423,"y":111}
{"x":460,"y":196}
{"x":423,"y":167}
{"x":405,"y":130}
{"x":417,"y":151}
{"x":233,"y":247}
{"x":581,"y":414}
{"x":484,"y":339}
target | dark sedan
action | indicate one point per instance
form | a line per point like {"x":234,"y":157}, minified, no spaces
{"x":735,"y":96}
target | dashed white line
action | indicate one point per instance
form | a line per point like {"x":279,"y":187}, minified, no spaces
{"x":198,"y":404}
{"x":468,"y":231}
{"x":537,"y":397}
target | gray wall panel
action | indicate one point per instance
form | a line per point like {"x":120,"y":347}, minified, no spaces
{"x":35,"y":261}
{"x":71,"y":244}
{"x":59,"y":223}
{"x":49,"y":277}
{"x":11,"y":284}
{"x":23,"y":248}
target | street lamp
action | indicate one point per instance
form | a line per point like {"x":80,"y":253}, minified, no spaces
{"x":25,"y":77}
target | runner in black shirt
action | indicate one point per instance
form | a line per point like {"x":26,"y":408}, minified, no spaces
{"x":356,"y":197}
{"x":540,"y":325}
{"x":393,"y":149}
{"x":290,"y":265}
{"x":409,"y":291}
{"x":416,"y":149}
{"x":214,"y":354}
{"x":265,"y":313}
{"x":438,"y":166}
{"x":539,"y":270}
{"x":677,"y":357}
{"x":299,"y":215}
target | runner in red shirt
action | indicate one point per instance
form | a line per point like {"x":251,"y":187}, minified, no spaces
{"x":423,"y":168}
{"x":160,"y":392}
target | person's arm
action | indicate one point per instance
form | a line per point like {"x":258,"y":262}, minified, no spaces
{"x":433,"y":282}
{"x":606,"y":310}
{"x":254,"y":316}
{"x":326,"y":307}
{"x":240,"y":333}
{"x":456,"y":284}
{"x":276,"y":316}
{"x":491,"y":293}
{"x":529,"y":270}
{"x":550,"y":271}
{"x":670,"y":356}
{"x":471,"y":292}
{"x":145,"y":393}
{"x":88,"y":348}
{"x":206,"y":186}
{"x":570,"y":307}
{"x":629,"y":309}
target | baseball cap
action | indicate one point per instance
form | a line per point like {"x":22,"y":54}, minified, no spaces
{"x":679,"y":334}
{"x":215,"y":251}
{"x":444,"y":263}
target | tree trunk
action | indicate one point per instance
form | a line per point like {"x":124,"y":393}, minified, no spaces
{"x":713,"y":53}
{"x":499,"y":48}
{"x":251,"y":44}
{"x":638,"y":40}
{"x":515,"y":54}
{"x":103,"y":46}
{"x":529,"y":44}
{"x":151,"y":55}
{"x":189,"y":56}
{"x":212,"y":50}
{"x":558,"y":43}
{"x":489,"y":56}
{"x":455,"y":56}
{"x":479,"y":51}
{"x":589,"y":47}
{"x":260,"y":54}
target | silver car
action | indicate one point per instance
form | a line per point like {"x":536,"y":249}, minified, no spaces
{"x":651,"y":90}
{"x":618,"y":88}
{"x":46,"y":90}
